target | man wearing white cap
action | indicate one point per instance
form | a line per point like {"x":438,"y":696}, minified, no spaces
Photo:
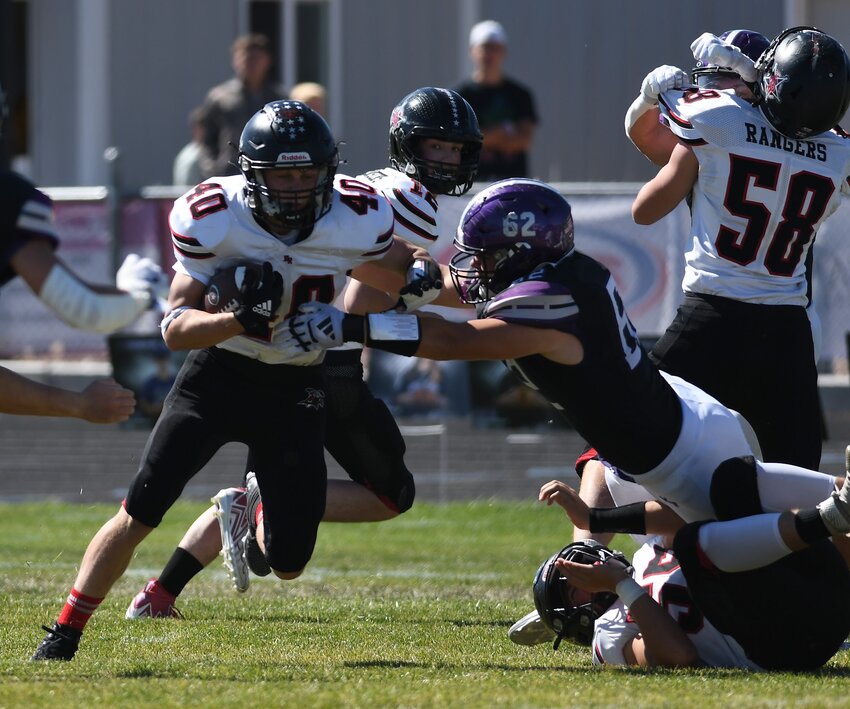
{"x":505,"y":108}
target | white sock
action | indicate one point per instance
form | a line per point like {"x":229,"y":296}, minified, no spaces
{"x":743,"y":544}
{"x":784,"y":487}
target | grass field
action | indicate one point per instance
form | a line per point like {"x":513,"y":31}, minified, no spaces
{"x":408,"y":613}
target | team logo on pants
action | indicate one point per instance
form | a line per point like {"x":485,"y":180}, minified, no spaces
{"x":315,"y":399}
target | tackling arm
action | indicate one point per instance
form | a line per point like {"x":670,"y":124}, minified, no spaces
{"x":103,"y":401}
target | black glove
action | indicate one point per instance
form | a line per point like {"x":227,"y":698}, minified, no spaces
{"x":260,"y":301}
{"x":424,"y":281}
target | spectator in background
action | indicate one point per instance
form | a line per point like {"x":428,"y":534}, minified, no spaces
{"x":420,"y":389}
{"x":313,"y":94}
{"x":505,"y":108}
{"x":230,"y":105}
{"x":187,"y":164}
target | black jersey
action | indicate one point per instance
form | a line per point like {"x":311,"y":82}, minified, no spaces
{"x":615,"y":398}
{"x":25,"y":214}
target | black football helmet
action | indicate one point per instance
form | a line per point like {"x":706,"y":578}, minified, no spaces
{"x":287,"y":134}
{"x":751,"y":43}
{"x":568,"y":611}
{"x":803,"y":82}
{"x":435,"y":113}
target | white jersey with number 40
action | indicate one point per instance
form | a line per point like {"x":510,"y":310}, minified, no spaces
{"x":212,"y":227}
{"x":759,"y":199}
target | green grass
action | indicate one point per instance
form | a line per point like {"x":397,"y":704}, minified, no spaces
{"x":409,"y":613}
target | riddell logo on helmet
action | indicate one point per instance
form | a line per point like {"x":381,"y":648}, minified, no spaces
{"x":293,"y":157}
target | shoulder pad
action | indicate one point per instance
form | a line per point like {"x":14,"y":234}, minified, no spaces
{"x":365,"y":216}
{"x":200,"y":220}
{"x":414,"y":207}
{"x":701,"y":116}
{"x":536,"y":303}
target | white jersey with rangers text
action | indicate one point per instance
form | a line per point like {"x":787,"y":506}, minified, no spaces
{"x":212,"y":227}
{"x":658,"y":571}
{"x":759,"y":199}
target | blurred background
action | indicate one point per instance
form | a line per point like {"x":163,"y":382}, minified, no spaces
{"x":83,"y":75}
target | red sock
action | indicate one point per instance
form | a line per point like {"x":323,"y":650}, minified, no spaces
{"x":259,"y":516}
{"x":78,"y":609}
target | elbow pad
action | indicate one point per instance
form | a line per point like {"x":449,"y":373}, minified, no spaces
{"x":82,"y":308}
{"x":639,"y":106}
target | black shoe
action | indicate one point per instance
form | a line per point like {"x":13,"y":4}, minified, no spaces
{"x":253,"y":554}
{"x":60,"y":643}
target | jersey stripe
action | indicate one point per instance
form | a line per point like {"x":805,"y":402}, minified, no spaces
{"x":674,"y":116}
{"x":189,"y":247}
{"x":410,"y":226}
{"x":385,"y":237}
{"x":413,"y":208}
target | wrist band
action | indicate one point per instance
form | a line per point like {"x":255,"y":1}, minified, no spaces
{"x":392,"y":332}
{"x":630,"y":591}
{"x":630,"y":519}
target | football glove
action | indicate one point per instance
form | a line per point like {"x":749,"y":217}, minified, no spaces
{"x":424,"y":281}
{"x":316,"y":326}
{"x":661,"y":79}
{"x":260,"y":301}
{"x":712,"y":51}
{"x":141,"y":274}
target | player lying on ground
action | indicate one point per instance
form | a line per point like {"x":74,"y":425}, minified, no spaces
{"x":709,"y":593}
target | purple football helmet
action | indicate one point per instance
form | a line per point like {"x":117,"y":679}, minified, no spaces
{"x":751,"y":43}
{"x":505,"y":232}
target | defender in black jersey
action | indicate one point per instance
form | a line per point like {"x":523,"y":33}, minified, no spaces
{"x":28,"y":241}
{"x":556,"y":318}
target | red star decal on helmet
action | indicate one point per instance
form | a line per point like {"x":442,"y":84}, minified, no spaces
{"x":395,"y":118}
{"x":774,"y":81}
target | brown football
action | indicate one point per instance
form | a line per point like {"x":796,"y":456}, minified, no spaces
{"x":223,"y":292}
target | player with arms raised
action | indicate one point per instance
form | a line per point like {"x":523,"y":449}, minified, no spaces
{"x":763,"y":178}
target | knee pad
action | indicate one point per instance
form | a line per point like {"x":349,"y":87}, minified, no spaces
{"x":734,"y":488}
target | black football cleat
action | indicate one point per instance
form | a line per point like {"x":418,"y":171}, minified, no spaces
{"x":60,"y":643}
{"x":254,"y":556}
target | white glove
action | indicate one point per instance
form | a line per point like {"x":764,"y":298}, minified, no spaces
{"x":424,"y":282}
{"x":712,"y":51}
{"x":661,"y":79}
{"x":316,"y":326}
{"x":138,"y":274}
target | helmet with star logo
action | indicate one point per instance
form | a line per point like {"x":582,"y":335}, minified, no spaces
{"x":440,"y":114}
{"x":292,"y":136}
{"x":803,"y":82}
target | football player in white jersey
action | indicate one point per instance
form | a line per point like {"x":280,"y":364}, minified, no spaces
{"x":28,"y":242}
{"x":434,"y":141}
{"x":310,"y":228}
{"x":763,"y":178}
{"x":706,"y":593}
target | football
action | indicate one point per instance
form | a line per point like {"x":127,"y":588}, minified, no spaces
{"x":223,"y":292}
